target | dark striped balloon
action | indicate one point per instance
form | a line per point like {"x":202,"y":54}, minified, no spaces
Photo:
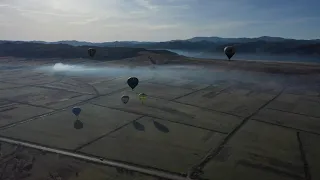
{"x":91,"y":52}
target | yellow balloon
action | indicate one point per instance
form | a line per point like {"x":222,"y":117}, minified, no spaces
{"x":142,"y":97}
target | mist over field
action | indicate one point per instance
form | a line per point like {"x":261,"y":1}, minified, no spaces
{"x":198,"y":74}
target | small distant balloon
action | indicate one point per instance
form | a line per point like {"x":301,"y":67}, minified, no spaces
{"x":91,"y":52}
{"x":229,"y":51}
{"x":125,"y":99}
{"x":133,"y":82}
{"x":142,"y":97}
{"x":78,"y":124}
{"x":76,"y":111}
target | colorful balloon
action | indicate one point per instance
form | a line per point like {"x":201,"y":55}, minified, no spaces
{"x":229,"y":51}
{"x":133,"y":82}
{"x":142,"y":97}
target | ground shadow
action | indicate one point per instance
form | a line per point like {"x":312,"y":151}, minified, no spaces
{"x":78,"y":124}
{"x":161,"y":127}
{"x":138,"y":126}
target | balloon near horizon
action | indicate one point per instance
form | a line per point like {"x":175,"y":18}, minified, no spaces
{"x":229,"y":51}
{"x":92,"y":52}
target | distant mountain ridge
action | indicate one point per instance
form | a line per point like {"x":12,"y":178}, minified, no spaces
{"x":84,"y":43}
{"x":212,"y":39}
{"x":263,"y":44}
{"x":237,"y":40}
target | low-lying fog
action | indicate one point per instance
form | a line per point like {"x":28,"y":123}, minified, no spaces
{"x":164,"y":72}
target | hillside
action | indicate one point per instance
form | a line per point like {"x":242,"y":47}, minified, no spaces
{"x":284,"y":47}
{"x":237,"y":40}
{"x":38,"y":50}
{"x":278,"y":48}
{"x":264,"y":44}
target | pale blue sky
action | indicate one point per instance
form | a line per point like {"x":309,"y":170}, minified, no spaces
{"x":157,"y":20}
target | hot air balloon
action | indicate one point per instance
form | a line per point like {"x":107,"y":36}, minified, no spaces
{"x":133,"y":82}
{"x":77,"y":124}
{"x":142,"y":97}
{"x":91,"y":52}
{"x":229,"y":51}
{"x":76,"y":111}
{"x":125,"y":99}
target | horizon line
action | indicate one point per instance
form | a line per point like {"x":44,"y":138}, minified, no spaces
{"x":257,"y":37}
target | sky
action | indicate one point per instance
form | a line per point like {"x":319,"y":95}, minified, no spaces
{"x":156,"y":20}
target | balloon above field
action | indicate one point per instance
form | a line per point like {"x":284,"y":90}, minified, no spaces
{"x":133,"y":82}
{"x":229,"y":51}
{"x":125,"y":99}
{"x":142,"y":97}
{"x":92,"y":52}
{"x":76,"y":111}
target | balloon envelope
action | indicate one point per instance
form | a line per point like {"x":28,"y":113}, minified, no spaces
{"x":133,"y":82}
{"x":91,"y":52}
{"x":142,"y":96}
{"x":76,"y":111}
{"x":125,"y":99}
{"x":229,"y":51}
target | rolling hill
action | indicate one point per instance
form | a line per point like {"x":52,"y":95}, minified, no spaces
{"x":39,"y":50}
{"x":264,"y":44}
